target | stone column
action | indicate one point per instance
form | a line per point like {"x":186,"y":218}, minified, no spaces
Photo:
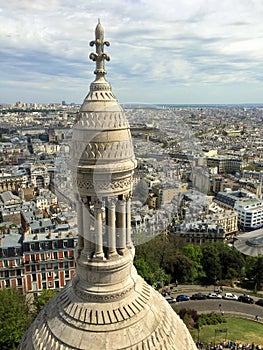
{"x":111,"y":203}
{"x":121,"y":225}
{"x":98,"y":230}
{"x":80,"y":223}
{"x":86,"y":229}
{"x":128,"y":222}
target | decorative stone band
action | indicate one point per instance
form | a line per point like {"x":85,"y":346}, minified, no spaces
{"x":101,"y":120}
{"x":107,"y":185}
{"x":116,"y":150}
{"x":99,"y":96}
{"x":80,"y":313}
{"x":104,"y":86}
{"x":137,"y":300}
{"x":146,"y":329}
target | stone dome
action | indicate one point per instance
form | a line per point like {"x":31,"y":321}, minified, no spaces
{"x":106,"y":305}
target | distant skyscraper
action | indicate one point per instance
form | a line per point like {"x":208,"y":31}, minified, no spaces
{"x":106,"y":305}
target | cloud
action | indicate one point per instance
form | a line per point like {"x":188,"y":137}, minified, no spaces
{"x":168,"y":43}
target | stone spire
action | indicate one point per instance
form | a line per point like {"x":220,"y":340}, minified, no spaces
{"x":99,"y":56}
{"x":107,"y":305}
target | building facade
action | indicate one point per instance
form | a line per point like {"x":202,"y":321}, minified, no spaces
{"x":36,"y":262}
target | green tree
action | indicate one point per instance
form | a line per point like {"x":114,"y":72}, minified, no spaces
{"x":194,"y":253}
{"x":160,"y":278}
{"x":182,"y":268}
{"x":211,"y":262}
{"x":232,"y":261}
{"x":144,"y":269}
{"x":14,"y":318}
{"x":41,"y":299}
{"x":258,"y":271}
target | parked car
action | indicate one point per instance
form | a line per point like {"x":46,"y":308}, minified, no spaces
{"x":169,"y":299}
{"x":182,"y":297}
{"x":214,"y":295}
{"x":246,"y":299}
{"x":230,"y":296}
{"x":198,"y":296}
{"x":259,"y":302}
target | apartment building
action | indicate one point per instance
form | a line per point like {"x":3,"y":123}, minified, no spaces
{"x":34,"y":262}
{"x":225,"y":164}
{"x":250,"y":213}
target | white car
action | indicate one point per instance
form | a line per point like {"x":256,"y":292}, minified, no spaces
{"x":230,"y":296}
{"x":169,"y":299}
{"x":214,"y":296}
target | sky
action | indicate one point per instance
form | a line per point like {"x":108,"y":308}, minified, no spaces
{"x":162,"y":51}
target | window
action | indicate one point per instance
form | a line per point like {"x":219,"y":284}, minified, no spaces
{"x":43,"y":276}
{"x":34,"y":276}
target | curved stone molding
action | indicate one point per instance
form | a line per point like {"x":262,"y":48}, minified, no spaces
{"x":101,"y":95}
{"x":90,"y":184}
{"x":147,"y":319}
{"x":79,"y":314}
{"x":104,"y":120}
{"x":114,"y":150}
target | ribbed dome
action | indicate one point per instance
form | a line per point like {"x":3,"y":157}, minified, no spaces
{"x":139,"y":320}
{"x":106,"y":306}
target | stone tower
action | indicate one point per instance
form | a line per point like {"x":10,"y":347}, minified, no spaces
{"x":107,"y":305}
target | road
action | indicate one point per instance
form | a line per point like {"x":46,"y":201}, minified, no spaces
{"x":229,"y":307}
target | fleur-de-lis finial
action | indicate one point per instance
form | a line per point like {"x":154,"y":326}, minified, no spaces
{"x":99,"y":56}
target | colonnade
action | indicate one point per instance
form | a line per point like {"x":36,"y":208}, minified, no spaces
{"x":104,"y":226}
{"x":10,"y":185}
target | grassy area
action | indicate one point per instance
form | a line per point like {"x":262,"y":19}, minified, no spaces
{"x":239,"y":330}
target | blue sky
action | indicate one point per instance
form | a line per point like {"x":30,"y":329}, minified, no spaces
{"x":169,"y":51}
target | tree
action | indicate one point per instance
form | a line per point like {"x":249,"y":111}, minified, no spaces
{"x":182,"y":268}
{"x":144,"y":269}
{"x":14,"y":318}
{"x":232,"y":261}
{"x":194,"y":253}
{"x":211,"y":262}
{"x":41,"y":299}
{"x":258,"y":271}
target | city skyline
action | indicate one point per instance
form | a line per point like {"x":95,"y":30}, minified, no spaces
{"x":194,"y":52}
